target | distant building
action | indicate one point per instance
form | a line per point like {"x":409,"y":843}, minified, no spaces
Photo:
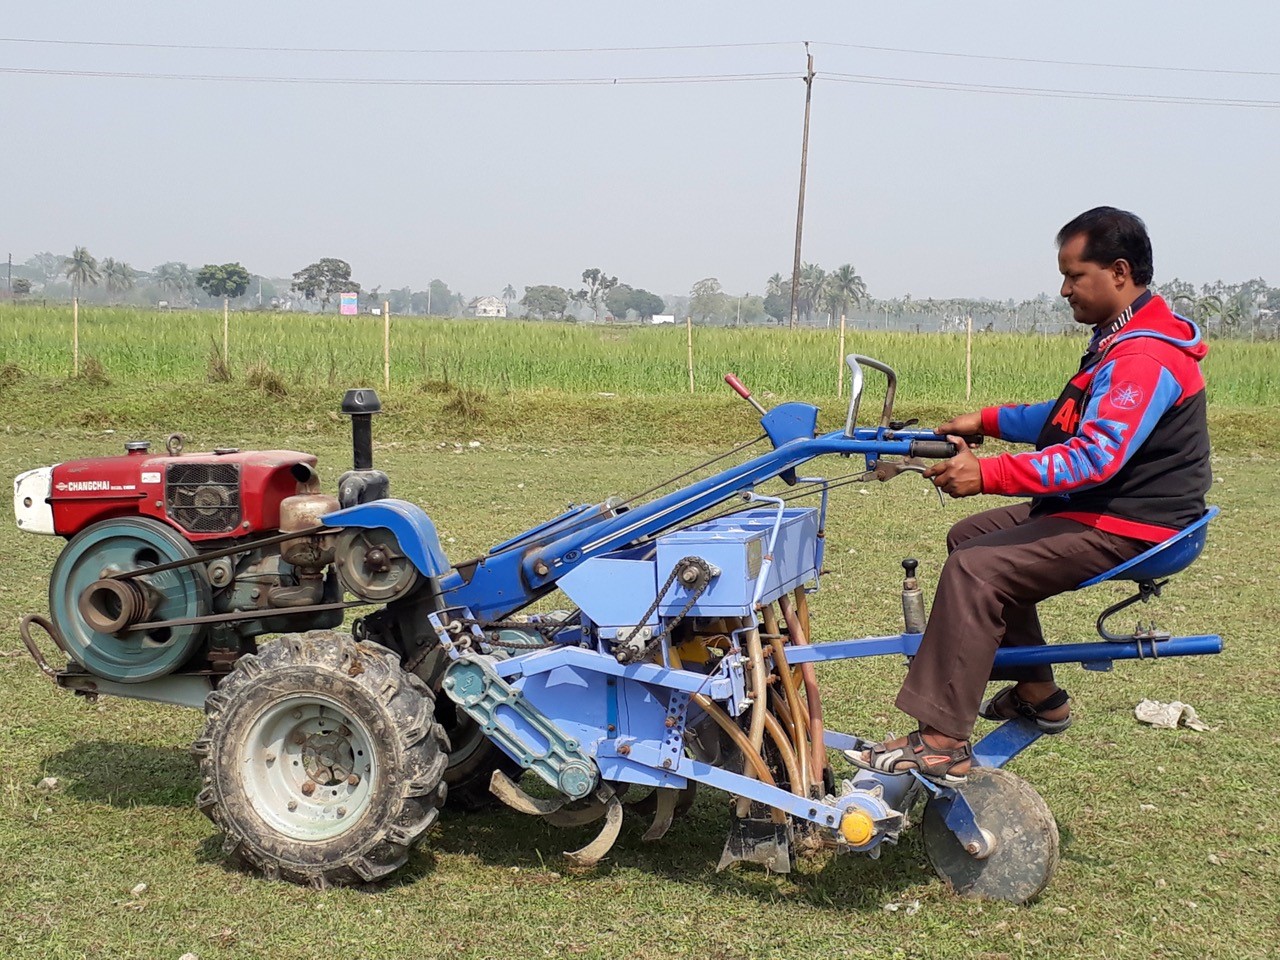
{"x":663,"y":318}
{"x":487,"y":307}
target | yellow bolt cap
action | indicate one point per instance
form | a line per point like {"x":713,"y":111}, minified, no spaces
{"x":857,"y":828}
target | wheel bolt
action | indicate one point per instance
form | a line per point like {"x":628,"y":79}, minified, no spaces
{"x":353,"y":780}
{"x":972,"y":849}
{"x":299,"y":737}
{"x":293,"y":805}
{"x":270,"y":758}
{"x":309,"y":788}
{"x":342,"y":811}
{"x":297,"y":714}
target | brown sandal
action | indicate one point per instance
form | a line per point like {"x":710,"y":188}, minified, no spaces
{"x":1007,"y":705}
{"x":932,"y":763}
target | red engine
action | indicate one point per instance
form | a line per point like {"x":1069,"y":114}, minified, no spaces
{"x":207,"y":496}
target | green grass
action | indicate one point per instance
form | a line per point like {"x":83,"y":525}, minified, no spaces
{"x":499,"y":355}
{"x":1133,"y":883}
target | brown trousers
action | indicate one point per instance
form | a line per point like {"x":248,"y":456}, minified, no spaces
{"x":1001,"y":564}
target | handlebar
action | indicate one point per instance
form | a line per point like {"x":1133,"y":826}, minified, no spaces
{"x":940,"y":449}
{"x":933,"y":449}
{"x":856,"y":362}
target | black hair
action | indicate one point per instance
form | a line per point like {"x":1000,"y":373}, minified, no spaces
{"x":1112,"y":235}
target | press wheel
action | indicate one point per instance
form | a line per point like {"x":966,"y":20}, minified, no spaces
{"x":1024,"y":854}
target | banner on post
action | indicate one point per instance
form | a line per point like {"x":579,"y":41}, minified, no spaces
{"x":348,"y":304}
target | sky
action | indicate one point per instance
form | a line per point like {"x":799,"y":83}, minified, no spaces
{"x":928,"y":190}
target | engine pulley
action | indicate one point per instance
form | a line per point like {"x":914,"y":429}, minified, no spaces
{"x":372,"y":566}
{"x":95,"y":613}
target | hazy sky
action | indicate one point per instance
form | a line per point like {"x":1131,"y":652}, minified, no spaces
{"x":935,"y":192}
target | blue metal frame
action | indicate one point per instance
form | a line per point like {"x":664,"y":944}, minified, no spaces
{"x":630,"y":720}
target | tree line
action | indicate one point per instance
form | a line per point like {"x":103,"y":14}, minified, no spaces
{"x":174,"y":283}
{"x":822,"y":296}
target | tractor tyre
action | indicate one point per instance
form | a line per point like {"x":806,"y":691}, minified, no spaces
{"x":472,"y":763}
{"x":473,"y":757}
{"x":321,"y":760}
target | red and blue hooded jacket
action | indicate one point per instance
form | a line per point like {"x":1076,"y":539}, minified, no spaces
{"x":1125,"y":448}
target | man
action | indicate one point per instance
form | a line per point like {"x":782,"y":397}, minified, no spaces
{"x":1121,"y":462}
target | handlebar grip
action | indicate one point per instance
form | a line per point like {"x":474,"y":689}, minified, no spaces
{"x":738,"y":387}
{"x":933,"y":449}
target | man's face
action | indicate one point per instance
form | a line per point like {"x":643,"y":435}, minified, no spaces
{"x":1092,"y":289}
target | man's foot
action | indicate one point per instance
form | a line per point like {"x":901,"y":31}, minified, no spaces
{"x":1043,"y":704}
{"x":933,"y":755}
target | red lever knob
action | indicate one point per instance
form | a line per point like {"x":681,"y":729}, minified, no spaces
{"x":738,"y":387}
{"x":741,"y":390}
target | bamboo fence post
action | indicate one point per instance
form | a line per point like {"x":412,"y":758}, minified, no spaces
{"x":840,"y":363}
{"x":688,"y":324}
{"x":75,"y":336}
{"x":226,"y":323}
{"x":386,"y":344}
{"x":968,"y":357}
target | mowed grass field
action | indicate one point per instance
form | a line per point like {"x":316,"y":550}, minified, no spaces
{"x":1170,"y":838}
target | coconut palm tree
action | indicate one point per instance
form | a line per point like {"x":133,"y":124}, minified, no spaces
{"x":81,"y":268}
{"x":508,"y":292}
{"x":845,"y":287}
{"x":774,"y":285}
{"x":813,"y":280}
{"x":118,"y":275}
{"x":176,"y":280}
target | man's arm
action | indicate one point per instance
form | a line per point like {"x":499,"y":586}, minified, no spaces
{"x":1017,"y":422}
{"x":1129,"y":395}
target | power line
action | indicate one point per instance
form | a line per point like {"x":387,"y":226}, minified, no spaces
{"x":479,"y":51}
{"x":856,"y":78}
{"x":1045,"y":92}
{"x":1041,"y":60}
{"x":134,"y":45}
{"x":409,"y":82}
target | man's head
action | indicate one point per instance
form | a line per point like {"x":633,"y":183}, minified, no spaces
{"x":1105,"y":259}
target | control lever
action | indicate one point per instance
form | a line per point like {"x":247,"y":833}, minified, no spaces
{"x":886,"y":470}
{"x":741,"y":390}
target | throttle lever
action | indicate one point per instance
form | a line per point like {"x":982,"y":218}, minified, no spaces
{"x":741,"y":390}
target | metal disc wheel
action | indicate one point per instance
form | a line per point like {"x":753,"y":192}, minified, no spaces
{"x":1025,"y":850}
{"x":76,"y":597}
{"x":321,"y":760}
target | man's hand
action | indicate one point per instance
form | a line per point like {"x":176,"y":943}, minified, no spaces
{"x":967,"y":425}
{"x":961,"y":476}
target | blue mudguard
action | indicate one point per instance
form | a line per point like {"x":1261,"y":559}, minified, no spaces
{"x":410,"y":524}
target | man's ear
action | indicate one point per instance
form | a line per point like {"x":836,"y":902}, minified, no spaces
{"x":1121,"y":271}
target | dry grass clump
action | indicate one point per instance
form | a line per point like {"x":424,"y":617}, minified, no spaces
{"x":466,"y":405}
{"x":94,"y":373}
{"x":262,"y":377}
{"x":219,"y":371}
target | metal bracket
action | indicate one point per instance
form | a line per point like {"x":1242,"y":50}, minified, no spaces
{"x":507,"y":718}
{"x":961,"y":820}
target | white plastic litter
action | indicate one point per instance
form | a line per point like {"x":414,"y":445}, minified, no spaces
{"x":1167,"y":716}
{"x":909,"y":907}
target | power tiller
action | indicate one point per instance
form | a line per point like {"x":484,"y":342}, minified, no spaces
{"x":686,"y":658}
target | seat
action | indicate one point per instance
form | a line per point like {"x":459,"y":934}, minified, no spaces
{"x":1159,"y":563}
{"x":1164,"y":559}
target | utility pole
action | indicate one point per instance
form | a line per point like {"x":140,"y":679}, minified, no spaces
{"x":804,"y":165}
{"x":11,"y":274}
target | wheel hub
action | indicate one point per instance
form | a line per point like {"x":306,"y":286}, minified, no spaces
{"x":310,"y":767}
